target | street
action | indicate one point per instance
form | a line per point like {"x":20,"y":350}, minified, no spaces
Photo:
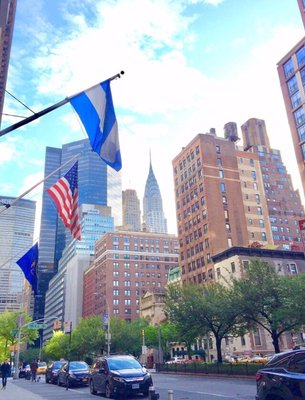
{"x":184,"y":387}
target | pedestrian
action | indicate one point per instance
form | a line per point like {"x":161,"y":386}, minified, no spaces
{"x":34,"y":367}
{"x":5,"y":372}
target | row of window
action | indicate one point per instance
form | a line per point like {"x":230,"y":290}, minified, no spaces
{"x":142,"y":242}
{"x":116,"y":256}
{"x":141,"y":274}
{"x":142,"y":266}
{"x":137,"y":284}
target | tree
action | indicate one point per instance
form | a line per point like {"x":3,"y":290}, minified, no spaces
{"x":198,"y":310}
{"x":9,"y":327}
{"x":57,"y":346}
{"x":88,"y":337}
{"x":274,"y":302}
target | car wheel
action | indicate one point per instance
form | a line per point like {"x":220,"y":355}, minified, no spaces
{"x":108,"y":391}
{"x":91,"y":386}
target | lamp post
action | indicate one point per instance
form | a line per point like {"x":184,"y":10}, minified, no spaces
{"x":20,"y":327}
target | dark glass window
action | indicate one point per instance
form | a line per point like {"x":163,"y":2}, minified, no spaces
{"x":288,"y":68}
{"x":301,"y":56}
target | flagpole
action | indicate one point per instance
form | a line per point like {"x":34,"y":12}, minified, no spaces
{"x":49,"y":109}
{"x":37,"y":184}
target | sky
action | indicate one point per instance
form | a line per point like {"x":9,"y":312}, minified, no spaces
{"x":189,"y":65}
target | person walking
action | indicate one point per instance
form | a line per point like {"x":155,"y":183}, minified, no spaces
{"x":34,"y":367}
{"x":5,"y":372}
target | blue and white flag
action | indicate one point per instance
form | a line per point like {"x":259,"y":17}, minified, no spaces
{"x":95,"y":109}
{"x":28,"y":263}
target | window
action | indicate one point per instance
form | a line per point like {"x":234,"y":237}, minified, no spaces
{"x":115,"y":292}
{"x":218,"y":149}
{"x":296,"y":100}
{"x":299,"y":116}
{"x":288,"y":68}
{"x":264,"y":237}
{"x":219,"y":162}
{"x":257,"y":198}
{"x":221,"y":174}
{"x":301,"y":56}
{"x":257,"y":338}
{"x":115,"y":302}
{"x":253,"y":174}
{"x":115,"y":283}
{"x":259,"y":211}
{"x":292,"y":85}
{"x":233,"y":267}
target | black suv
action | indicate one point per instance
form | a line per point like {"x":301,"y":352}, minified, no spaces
{"x":119,"y":375}
{"x":283,"y":377}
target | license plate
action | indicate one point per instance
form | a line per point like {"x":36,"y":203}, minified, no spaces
{"x":135,"y":386}
{"x":84,"y":379}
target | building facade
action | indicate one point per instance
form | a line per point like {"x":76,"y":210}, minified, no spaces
{"x":153,"y":215}
{"x":291,"y":72}
{"x":7,"y":19}
{"x":231,"y":263}
{"x":274,"y":192}
{"x":208,"y":204}
{"x":97,"y":184}
{"x":131,"y":209}
{"x":16,"y":238}
{"x":127,"y":265}
{"x":64,"y":295}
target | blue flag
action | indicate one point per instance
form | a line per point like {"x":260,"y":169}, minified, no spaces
{"x":28,"y":263}
{"x":95,"y":109}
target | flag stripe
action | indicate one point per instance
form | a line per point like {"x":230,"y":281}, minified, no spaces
{"x":96,"y":112}
{"x":65,"y":195}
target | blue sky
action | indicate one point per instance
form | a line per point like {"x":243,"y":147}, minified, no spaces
{"x":189,"y":65}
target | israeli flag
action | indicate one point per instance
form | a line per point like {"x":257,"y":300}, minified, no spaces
{"x":95,"y":109}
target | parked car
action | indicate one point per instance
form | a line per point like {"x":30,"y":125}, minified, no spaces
{"x":283,"y":377}
{"x":119,"y":375}
{"x":52,"y":371}
{"x":42,"y":366}
{"x":76,"y":372}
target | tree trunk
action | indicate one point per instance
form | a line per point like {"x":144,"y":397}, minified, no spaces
{"x":218,"y":348}
{"x":275,"y":341}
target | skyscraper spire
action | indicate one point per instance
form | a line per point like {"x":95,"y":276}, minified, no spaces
{"x":153,"y":215}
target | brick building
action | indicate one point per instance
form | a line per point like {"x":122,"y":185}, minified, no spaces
{"x":127,"y":265}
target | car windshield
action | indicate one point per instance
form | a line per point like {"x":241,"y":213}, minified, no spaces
{"x":78,"y":365}
{"x":123,"y":363}
{"x":42,"y":364}
{"x":59,"y":364}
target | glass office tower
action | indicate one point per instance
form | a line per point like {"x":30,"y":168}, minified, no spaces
{"x":94,"y":188}
{"x":16,"y":238}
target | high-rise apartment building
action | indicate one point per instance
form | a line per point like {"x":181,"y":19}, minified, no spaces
{"x":127,"y":265}
{"x":97,"y":184}
{"x":131,"y":210}
{"x":226,"y":196}
{"x":7,"y":19}
{"x":16,"y":238}
{"x":291,"y":71}
{"x":64,"y":296}
{"x":209,"y":204}
{"x":153,"y":215}
{"x":284,"y":207}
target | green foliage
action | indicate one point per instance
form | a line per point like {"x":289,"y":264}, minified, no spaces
{"x":88,"y":337}
{"x":57,"y":346}
{"x":198,"y":310}
{"x":9,"y":324}
{"x":272,"y":301}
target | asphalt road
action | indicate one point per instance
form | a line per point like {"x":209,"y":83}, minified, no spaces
{"x":184,"y":387}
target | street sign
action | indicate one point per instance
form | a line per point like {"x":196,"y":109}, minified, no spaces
{"x":33,"y":325}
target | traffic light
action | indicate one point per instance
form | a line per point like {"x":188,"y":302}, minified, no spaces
{"x":57,"y":325}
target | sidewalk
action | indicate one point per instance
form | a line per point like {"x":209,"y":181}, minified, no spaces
{"x":17,"y":389}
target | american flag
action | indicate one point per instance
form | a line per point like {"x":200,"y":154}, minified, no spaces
{"x":65,"y":195}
